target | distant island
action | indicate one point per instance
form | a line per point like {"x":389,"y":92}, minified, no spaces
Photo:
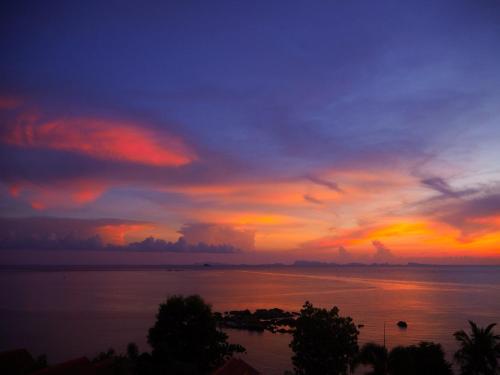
{"x":208,"y":266}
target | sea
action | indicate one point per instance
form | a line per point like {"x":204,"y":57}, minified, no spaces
{"x":69,"y":312}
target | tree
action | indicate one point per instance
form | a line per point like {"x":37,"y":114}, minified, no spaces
{"x":185,"y":338}
{"x":116,"y":364}
{"x":323,"y":342}
{"x":479,"y":351}
{"x":109,"y":354}
{"x":424,"y":358}
{"x":401,"y":361}
{"x":374,"y":355}
{"x":132,"y":351}
{"x":429,"y":359}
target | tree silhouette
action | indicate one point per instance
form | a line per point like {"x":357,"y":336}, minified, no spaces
{"x":132,"y":351}
{"x":479,"y":351}
{"x":323,"y":342}
{"x":185,"y":338}
{"x":425,"y":358}
{"x":376,"y":356}
{"x":401,"y":361}
{"x":429,"y":359}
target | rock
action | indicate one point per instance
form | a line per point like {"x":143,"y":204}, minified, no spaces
{"x":274,"y":320}
{"x":402,"y":324}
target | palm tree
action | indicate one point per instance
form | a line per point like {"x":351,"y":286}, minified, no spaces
{"x":376,"y":356}
{"x":479,"y":351}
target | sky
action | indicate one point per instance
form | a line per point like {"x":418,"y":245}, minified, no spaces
{"x":186,"y":131}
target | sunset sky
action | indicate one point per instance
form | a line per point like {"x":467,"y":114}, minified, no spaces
{"x":257,"y":131}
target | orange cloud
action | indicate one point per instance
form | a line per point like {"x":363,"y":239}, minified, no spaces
{"x":120,"y":234}
{"x":36,"y":205}
{"x":21,"y":232}
{"x":102,"y":139}
{"x":357,"y":188}
{"x":268,"y":193}
{"x":409,"y":237}
{"x":493,"y":221}
{"x":219,"y":234}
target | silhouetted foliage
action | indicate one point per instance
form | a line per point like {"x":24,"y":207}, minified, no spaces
{"x":39,"y":363}
{"x":479,"y":352}
{"x":110,"y":353}
{"x":401,"y":361}
{"x":430,"y":359}
{"x":185,"y":338}
{"x":116,"y":364}
{"x":424,"y":358}
{"x":376,"y":356}
{"x":323,"y":342}
{"x":132,"y":351}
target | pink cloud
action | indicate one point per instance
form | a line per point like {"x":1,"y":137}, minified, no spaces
{"x":101,"y":139}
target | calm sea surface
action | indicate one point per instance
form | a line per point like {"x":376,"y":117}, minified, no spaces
{"x":70,"y":313}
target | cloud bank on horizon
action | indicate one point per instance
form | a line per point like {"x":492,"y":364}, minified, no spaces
{"x":325,"y":130}
{"x":66,"y":234}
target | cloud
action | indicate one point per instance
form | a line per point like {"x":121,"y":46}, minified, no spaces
{"x":339,"y":239}
{"x":473,"y":217}
{"x":217,"y":234}
{"x":46,"y":233}
{"x":70,"y":242}
{"x":440,"y":185}
{"x":484,"y":206}
{"x":52,"y":242}
{"x":57,"y":194}
{"x":344,"y":255}
{"x":67,"y":161}
{"x":180,"y":246}
{"x":63,"y":233}
{"x":342,"y":251}
{"x":58,"y":176}
{"x":9,"y":102}
{"x":382,"y":253}
{"x":320,"y":181}
{"x":311,"y":199}
{"x":99,"y":138}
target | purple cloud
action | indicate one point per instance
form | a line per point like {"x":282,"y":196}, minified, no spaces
{"x":326,"y":183}
{"x":180,"y":246}
{"x":382,"y":253}
{"x":66,"y":234}
{"x":217,"y":234}
{"x":440,"y":185}
{"x":311,"y":199}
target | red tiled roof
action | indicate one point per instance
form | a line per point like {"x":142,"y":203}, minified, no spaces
{"x":236,"y":366}
{"x":79,"y":366}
